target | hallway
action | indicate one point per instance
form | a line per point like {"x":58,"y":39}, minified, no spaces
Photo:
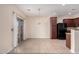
{"x":41,"y":46}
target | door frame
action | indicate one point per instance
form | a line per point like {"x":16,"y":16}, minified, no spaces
{"x":15,"y":30}
{"x":21,"y":28}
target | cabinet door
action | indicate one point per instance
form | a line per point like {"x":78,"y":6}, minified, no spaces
{"x":77,"y":21}
{"x":68,"y":40}
{"x":53,"y":23}
{"x":69,"y":22}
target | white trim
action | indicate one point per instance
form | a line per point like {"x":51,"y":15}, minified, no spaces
{"x":15,"y":31}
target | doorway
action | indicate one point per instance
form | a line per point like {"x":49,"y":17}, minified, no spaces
{"x":20,"y":30}
{"x":17,"y":30}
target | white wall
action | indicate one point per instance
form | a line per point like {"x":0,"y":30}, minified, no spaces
{"x":76,"y":15}
{"x":36,"y":30}
{"x":6,"y":17}
{"x":25,"y":29}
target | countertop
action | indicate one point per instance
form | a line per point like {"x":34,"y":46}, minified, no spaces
{"x":74,"y":28}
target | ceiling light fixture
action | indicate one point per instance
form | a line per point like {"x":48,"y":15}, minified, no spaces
{"x":69,"y":13}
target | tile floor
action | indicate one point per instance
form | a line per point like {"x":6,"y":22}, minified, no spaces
{"x":41,"y":46}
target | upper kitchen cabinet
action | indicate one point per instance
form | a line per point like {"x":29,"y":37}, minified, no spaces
{"x":77,"y":22}
{"x":69,"y":22}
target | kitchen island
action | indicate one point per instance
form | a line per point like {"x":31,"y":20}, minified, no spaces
{"x":72,"y":39}
{"x":75,"y":40}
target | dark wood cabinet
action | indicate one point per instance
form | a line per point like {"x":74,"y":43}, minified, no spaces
{"x":77,"y":21}
{"x":68,"y":40}
{"x":69,"y":22}
{"x":72,"y":22}
{"x":53,"y":27}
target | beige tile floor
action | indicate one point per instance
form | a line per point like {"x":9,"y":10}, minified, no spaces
{"x":41,"y":46}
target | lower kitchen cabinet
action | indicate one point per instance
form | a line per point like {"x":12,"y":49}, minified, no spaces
{"x":68,"y":40}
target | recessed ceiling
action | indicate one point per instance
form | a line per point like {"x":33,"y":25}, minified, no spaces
{"x":49,"y":9}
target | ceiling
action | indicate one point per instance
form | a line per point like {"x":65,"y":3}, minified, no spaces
{"x":49,"y":9}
